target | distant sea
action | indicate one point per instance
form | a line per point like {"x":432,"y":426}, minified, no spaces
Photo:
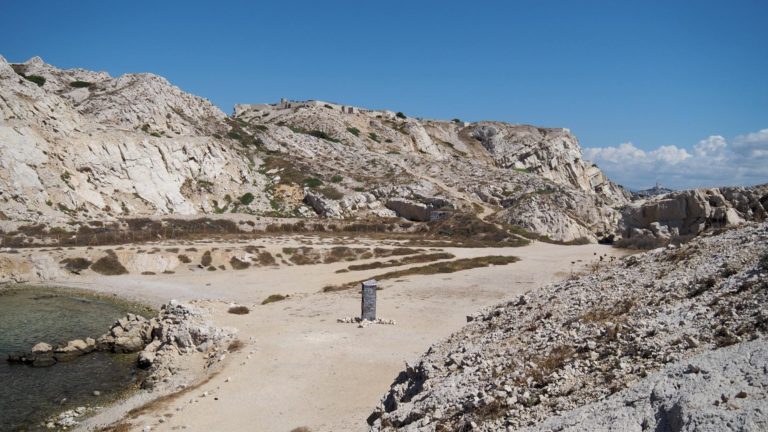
{"x":29,"y":315}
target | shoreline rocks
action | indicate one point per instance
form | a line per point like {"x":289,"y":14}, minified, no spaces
{"x":177,"y":329}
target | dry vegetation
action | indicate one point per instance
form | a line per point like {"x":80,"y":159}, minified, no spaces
{"x":416,"y":259}
{"x":274,"y":298}
{"x":109,"y":265}
{"x":434,"y":268}
{"x":239,"y":310}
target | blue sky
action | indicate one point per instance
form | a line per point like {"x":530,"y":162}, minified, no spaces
{"x":649,"y":74}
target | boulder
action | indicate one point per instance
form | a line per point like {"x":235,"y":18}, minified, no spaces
{"x":41,"y":348}
{"x":410,"y":210}
{"x":126,"y":344}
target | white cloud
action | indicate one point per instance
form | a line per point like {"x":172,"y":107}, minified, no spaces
{"x":713,"y":161}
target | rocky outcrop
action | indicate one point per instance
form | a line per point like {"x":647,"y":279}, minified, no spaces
{"x":111,"y":147}
{"x":178,"y":329}
{"x":410,"y":210}
{"x":639,"y":342}
{"x":691,"y":212}
{"x":552,"y":153}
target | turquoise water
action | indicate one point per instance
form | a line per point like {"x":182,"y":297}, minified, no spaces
{"x":29,"y":315}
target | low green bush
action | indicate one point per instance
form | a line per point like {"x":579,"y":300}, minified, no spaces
{"x":80,"y":84}
{"x":246,"y":198}
{"x":37,"y":79}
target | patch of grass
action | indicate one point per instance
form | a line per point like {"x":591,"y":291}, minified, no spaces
{"x":239,"y":310}
{"x":274,"y":298}
{"x":400,"y":251}
{"x":312,"y":182}
{"x":434,"y":268}
{"x":354,"y":131}
{"x":109,"y":265}
{"x":331,"y":192}
{"x":336,"y":178}
{"x":402,"y":261}
{"x":374,"y":137}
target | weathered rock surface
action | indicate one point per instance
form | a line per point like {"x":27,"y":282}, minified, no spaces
{"x":85,"y":145}
{"x":714,"y":391}
{"x":128,"y":145}
{"x":691,"y":212}
{"x":593,"y":350}
{"x":552,"y":153}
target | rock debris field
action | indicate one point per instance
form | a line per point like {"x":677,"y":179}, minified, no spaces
{"x":672,"y":339}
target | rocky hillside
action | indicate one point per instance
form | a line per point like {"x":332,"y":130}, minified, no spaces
{"x":385,"y":163}
{"x":672,"y":339}
{"x":82,"y":145}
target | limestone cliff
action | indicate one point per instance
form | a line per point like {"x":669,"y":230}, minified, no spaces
{"x":86,"y":145}
{"x":80,"y":145}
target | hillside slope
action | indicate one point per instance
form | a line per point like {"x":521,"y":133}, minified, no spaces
{"x":80,"y":145}
{"x":586,"y":350}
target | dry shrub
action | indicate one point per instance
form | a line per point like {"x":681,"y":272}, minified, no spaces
{"x":416,"y":259}
{"x":235,"y":346}
{"x":239,"y":310}
{"x":266,"y":258}
{"x":251,"y":249}
{"x":274,"y":298}
{"x":238,"y":264}
{"x":109,"y":265}
{"x":75,"y":265}
{"x":184,"y":259}
{"x":206,"y":259}
{"x":434,"y":268}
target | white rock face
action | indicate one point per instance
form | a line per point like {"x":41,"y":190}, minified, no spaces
{"x":553,"y":153}
{"x":84,"y":145}
{"x":133,"y":145}
{"x":691,"y":212}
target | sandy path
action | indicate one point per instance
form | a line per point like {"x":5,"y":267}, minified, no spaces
{"x":308,"y":370}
